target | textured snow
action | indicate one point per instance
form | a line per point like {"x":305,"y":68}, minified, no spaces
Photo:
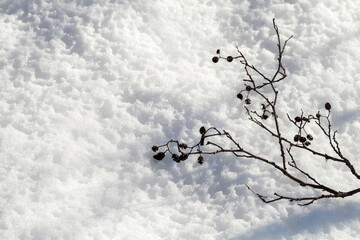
{"x":87,"y":87}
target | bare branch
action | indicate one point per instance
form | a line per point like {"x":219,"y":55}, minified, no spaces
{"x":284,"y":163}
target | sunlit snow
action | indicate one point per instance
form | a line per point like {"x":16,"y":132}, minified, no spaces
{"x":87,"y":87}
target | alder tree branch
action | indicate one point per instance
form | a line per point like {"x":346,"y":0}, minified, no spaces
{"x":268,"y":112}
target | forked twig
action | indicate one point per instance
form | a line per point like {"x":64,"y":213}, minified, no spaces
{"x":268,"y":112}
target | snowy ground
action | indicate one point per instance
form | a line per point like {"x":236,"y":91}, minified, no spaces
{"x":87,"y":87}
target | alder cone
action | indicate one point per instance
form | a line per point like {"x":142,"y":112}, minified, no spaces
{"x":310,"y":137}
{"x":183,"y":145}
{"x":202,"y":130}
{"x":327,"y":106}
{"x":297,"y":138}
{"x":215,"y":59}
{"x":183,"y":157}
{"x":155,"y":148}
{"x":200,"y":160}
{"x":160,"y":156}
{"x":175,"y":158}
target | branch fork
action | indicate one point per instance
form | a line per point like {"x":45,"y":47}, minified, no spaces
{"x":287,"y":161}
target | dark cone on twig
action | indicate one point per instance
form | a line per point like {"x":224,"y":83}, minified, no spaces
{"x":240,"y":96}
{"x":175,"y":157}
{"x":160,"y":156}
{"x":183,"y":157}
{"x":229,"y":58}
{"x":296,"y":138}
{"x":200,"y":160}
{"x":155,"y":148}
{"x":309,"y":137}
{"x":183,"y":146}
{"x":327,"y":106}
{"x":305,"y":119}
{"x":215,"y":59}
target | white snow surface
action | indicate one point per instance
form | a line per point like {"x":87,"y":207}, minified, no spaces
{"x":88,"y":86}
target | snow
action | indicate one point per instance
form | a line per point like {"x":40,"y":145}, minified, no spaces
{"x":87,"y":87}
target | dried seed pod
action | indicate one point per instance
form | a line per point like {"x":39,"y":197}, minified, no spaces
{"x":305,"y":119}
{"x":183,"y":157}
{"x":159,"y":156}
{"x":229,"y":58}
{"x":327,"y":106}
{"x":218,"y":51}
{"x":240,"y":96}
{"x":215,"y":59}
{"x":202,"y":130}
{"x":309,"y":137}
{"x":175,"y":157}
{"x":248,"y":101}
{"x":155,"y":148}
{"x":200,"y":160}
{"x":248,"y":88}
{"x":318,"y":115}
{"x":183,"y":145}
{"x":297,"y":119}
{"x":307,"y":143}
{"x":297,"y":138}
{"x":302,"y":139}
